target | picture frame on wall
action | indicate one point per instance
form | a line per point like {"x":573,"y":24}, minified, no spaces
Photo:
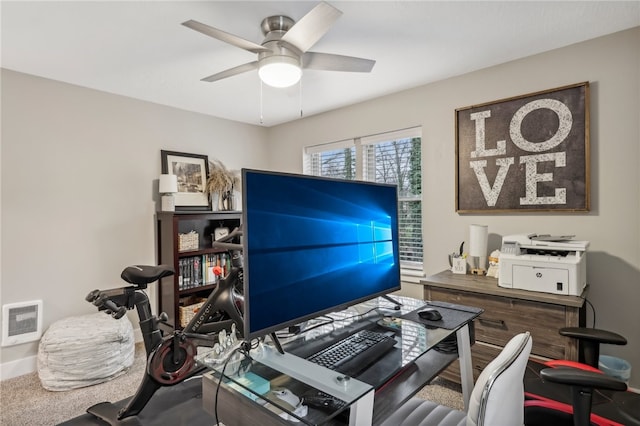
{"x":527,"y":153}
{"x":192,"y":171}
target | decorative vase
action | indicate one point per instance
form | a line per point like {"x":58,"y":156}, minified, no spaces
{"x":222,"y":201}
{"x":226,"y":200}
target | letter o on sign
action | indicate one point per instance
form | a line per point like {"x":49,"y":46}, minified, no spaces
{"x":564,"y":126}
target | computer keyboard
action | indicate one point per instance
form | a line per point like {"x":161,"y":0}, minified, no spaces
{"x":354,"y":353}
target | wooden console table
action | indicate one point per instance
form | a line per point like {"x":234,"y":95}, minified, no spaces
{"x":508,"y":312}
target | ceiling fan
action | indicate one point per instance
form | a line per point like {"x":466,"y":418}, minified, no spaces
{"x":284,"y":51}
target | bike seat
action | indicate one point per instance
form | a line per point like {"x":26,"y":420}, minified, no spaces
{"x":142,"y":275}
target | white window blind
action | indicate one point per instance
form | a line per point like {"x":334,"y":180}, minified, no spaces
{"x":393,"y":157}
{"x":336,"y":160}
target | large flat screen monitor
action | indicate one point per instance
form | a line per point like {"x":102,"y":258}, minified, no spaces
{"x":314,"y":245}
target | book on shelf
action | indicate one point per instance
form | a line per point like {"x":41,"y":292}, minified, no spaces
{"x":198,"y":271}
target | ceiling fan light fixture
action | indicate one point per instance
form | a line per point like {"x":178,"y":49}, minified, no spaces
{"x":279,"y":71}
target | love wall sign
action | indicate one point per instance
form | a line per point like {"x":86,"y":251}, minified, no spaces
{"x":527,"y":153}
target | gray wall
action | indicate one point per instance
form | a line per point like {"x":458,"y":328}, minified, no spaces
{"x":79,"y":187}
{"x":612,"y":66}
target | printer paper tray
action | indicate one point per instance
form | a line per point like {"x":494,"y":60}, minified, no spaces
{"x":547,"y":280}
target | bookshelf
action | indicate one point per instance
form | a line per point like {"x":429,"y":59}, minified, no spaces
{"x":185,"y":243}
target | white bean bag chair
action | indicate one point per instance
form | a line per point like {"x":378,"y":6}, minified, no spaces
{"x":85,"y":350}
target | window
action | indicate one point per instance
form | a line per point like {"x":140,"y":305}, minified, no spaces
{"x":336,"y":160}
{"x":393,"y":157}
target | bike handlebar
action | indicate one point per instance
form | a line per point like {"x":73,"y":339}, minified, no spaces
{"x":114,"y":310}
{"x":103,"y":303}
{"x":224,"y":244}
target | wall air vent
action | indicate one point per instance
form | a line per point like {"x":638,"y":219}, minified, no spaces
{"x":21,"y":322}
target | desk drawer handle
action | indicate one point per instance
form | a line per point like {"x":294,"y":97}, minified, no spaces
{"x":492,"y":323}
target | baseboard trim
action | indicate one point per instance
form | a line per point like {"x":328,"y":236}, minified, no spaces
{"x":28,"y":365}
{"x":19,"y":367}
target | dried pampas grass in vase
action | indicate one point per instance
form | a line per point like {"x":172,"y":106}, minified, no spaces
{"x":220,"y":184}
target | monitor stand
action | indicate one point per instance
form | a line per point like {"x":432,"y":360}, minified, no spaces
{"x":276,"y":342}
{"x":392,"y":300}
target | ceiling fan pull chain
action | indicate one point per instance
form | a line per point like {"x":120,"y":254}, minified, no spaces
{"x":261,"y":116}
{"x":300,"y":98}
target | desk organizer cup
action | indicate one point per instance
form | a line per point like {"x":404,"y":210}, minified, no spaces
{"x":459,"y":265}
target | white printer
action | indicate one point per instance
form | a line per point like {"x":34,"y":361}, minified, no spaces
{"x":545,"y":263}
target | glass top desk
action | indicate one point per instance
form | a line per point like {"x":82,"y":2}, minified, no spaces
{"x":270,"y":388}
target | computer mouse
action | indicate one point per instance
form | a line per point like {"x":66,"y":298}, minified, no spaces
{"x":430,"y":314}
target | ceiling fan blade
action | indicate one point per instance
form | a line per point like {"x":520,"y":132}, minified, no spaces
{"x":224,"y":36}
{"x":232,"y":71}
{"x":330,"y":62}
{"x":312,"y":26}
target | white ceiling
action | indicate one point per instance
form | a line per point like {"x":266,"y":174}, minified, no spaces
{"x":139,"y":49}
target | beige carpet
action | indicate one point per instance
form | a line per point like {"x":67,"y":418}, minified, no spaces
{"x":24,"y":402}
{"x":443,"y":392}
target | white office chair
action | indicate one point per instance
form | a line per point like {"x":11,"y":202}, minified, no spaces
{"x":497,"y":398}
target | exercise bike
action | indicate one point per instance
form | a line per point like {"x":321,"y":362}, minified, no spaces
{"x":170,"y":358}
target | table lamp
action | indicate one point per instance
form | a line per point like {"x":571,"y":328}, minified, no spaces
{"x":478,"y":248}
{"x":167,"y":187}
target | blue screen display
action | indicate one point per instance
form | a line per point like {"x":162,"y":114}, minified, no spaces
{"x":313,"y":245}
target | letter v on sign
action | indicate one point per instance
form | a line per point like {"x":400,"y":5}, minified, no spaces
{"x":491,"y":193}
